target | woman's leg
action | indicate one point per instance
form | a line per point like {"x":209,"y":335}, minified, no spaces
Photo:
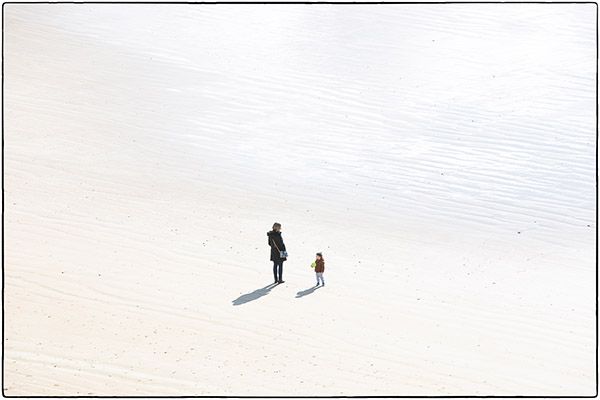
{"x":275,"y":271}
{"x":280,"y":271}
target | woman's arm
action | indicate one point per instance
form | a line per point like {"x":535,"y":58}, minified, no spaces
{"x":282,"y":245}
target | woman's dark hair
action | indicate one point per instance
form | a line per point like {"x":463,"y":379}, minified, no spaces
{"x":276,"y":226}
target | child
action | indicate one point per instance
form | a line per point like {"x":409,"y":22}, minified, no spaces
{"x":319,"y":266}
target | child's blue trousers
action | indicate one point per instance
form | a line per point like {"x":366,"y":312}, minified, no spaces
{"x":320,"y":278}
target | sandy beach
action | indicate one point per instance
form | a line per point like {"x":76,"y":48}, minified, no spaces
{"x":442,"y":157}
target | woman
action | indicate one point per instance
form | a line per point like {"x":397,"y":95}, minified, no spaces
{"x":277,"y":246}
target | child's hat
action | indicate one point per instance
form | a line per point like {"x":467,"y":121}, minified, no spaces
{"x":320,"y":255}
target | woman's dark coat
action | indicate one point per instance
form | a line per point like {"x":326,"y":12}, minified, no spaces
{"x":275,"y":238}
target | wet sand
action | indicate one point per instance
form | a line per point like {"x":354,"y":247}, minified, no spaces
{"x":441,"y":157}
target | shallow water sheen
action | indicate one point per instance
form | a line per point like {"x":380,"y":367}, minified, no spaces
{"x":476,"y":116}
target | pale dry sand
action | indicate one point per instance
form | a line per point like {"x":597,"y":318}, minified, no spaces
{"x":148,"y":149}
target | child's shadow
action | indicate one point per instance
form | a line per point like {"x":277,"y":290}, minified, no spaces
{"x":258,"y":293}
{"x":307,"y":291}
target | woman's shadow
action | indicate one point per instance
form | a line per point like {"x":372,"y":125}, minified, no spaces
{"x":257,"y":294}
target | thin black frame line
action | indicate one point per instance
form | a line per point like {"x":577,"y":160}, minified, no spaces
{"x":302,"y":397}
{"x":297,"y":2}
{"x":3,"y":194}
{"x":597,"y":199}
{"x":303,"y":2}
